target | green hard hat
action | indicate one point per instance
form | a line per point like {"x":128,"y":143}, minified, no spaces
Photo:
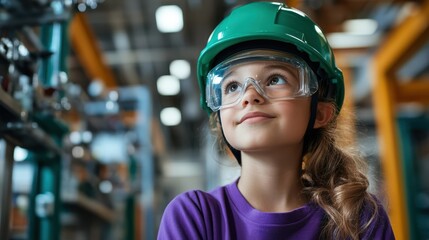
{"x":273,"y":22}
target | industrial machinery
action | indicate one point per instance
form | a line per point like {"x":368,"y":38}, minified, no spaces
{"x":33,"y":90}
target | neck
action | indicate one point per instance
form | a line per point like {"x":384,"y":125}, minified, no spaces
{"x":271,"y":182}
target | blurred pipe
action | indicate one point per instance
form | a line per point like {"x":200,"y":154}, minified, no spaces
{"x":88,"y":52}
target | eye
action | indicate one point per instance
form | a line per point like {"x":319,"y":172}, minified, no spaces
{"x":231,"y":87}
{"x":276,"y":80}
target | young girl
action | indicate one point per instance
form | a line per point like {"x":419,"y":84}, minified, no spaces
{"x":268,"y":77}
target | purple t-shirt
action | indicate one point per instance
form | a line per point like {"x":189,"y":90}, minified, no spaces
{"x":225,"y":214}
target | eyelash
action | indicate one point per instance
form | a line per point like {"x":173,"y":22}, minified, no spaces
{"x":271,"y":76}
{"x":228,"y":85}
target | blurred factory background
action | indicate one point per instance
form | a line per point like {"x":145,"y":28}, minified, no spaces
{"x":100,"y":125}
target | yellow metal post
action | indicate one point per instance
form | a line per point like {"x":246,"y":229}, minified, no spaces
{"x":400,"y":45}
{"x":348,"y":111}
{"x":88,"y":52}
{"x":384,"y":105}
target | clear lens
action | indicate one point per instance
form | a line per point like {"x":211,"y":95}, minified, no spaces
{"x":274,"y":75}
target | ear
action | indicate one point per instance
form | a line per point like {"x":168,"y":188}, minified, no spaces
{"x":325,"y":113}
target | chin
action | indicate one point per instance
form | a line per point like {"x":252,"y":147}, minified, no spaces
{"x":253,"y":147}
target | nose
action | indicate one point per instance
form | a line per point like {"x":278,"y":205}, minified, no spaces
{"x":251,"y":96}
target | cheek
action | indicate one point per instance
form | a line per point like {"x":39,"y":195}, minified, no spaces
{"x":295,"y":118}
{"x":227,"y":123}
{"x":223,"y":117}
{"x":294,"y":129}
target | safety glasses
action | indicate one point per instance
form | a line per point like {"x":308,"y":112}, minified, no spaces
{"x":274,"y":75}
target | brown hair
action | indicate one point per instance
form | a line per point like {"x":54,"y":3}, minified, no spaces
{"x":334,"y":177}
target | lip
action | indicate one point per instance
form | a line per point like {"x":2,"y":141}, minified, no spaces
{"x":254,"y":115}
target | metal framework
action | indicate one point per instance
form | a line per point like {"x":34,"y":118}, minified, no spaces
{"x":403,"y":42}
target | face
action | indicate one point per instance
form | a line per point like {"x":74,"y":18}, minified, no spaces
{"x":256,"y":123}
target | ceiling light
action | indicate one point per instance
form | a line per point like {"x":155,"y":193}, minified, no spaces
{"x":20,"y":154}
{"x":78,"y":152}
{"x":171,"y":116}
{"x":169,"y":18}
{"x":105,"y":186}
{"x":360,"y":26}
{"x":121,"y":40}
{"x":180,"y":68}
{"x":346,"y":40}
{"x":95,"y":88}
{"x":86,"y":137}
{"x":358,"y":33}
{"x":113,"y":96}
{"x":75,"y":137}
{"x":81,"y":7}
{"x":112,"y":107}
{"x":109,"y":147}
{"x":168,"y":85}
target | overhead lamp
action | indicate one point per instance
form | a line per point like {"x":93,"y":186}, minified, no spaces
{"x":346,"y":40}
{"x":169,"y":18}
{"x":180,"y":68}
{"x":121,"y":40}
{"x":95,"y":88}
{"x":170,"y":116}
{"x":81,"y":7}
{"x":20,"y":154}
{"x":109,"y":147}
{"x":78,"y":152}
{"x":86,"y":136}
{"x":111,"y":107}
{"x":358,"y":33}
{"x":105,"y":186}
{"x":75,"y":137}
{"x":168,"y":85}
{"x":113,"y":96}
{"x":360,"y":26}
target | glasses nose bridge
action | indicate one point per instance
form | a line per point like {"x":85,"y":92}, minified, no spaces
{"x":255,"y":83}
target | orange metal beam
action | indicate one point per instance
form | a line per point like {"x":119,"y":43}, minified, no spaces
{"x":415,"y":91}
{"x":293,"y":3}
{"x":384,"y":105}
{"x":405,"y":40}
{"x":348,"y":115}
{"x":84,"y":44}
{"x":394,"y":52}
{"x":348,"y":99}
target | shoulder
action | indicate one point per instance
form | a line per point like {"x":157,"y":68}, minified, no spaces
{"x":375,"y":217}
{"x":189,"y":215}
{"x":192,"y":201}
